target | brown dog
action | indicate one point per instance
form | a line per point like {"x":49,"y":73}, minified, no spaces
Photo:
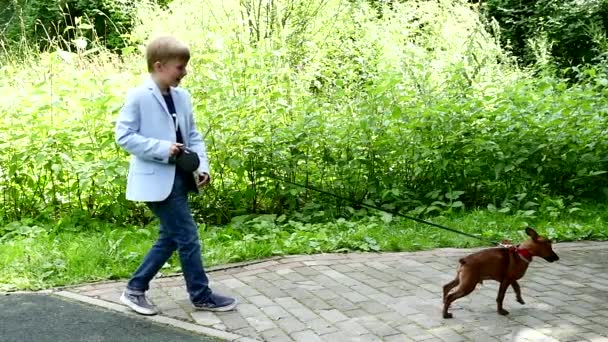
{"x":503,"y":264}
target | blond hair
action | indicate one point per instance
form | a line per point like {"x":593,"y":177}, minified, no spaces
{"x":164,"y":49}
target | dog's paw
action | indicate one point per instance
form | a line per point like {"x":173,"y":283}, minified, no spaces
{"x":521,"y":301}
{"x":447,"y":315}
{"x":503,"y":312}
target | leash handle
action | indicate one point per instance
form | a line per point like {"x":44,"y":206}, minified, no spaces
{"x":381,"y":209}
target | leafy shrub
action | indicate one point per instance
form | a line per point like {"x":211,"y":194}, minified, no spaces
{"x":41,"y":22}
{"x":572,"y":32}
{"x":417,"y":111}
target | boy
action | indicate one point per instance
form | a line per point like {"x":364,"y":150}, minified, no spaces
{"x":155,"y":125}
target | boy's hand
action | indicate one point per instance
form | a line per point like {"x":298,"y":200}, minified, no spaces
{"x":174,"y":149}
{"x":202,"y":179}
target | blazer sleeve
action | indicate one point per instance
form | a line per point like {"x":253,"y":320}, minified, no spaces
{"x":128,"y":137}
{"x":197,"y":143}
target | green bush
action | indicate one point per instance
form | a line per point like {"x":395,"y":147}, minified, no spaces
{"x":419,"y":111}
{"x":42,"y":22}
{"x":573,"y":32}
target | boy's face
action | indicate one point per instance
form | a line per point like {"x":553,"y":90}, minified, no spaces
{"x":170,"y":73}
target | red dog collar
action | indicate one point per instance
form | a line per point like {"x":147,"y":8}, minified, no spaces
{"x":524,"y":254}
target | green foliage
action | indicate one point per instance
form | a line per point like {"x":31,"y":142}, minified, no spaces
{"x":59,"y":156}
{"x":572,"y":32}
{"x":43,"y":23}
{"x":418,"y":111}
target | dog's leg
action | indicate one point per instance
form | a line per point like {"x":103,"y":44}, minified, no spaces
{"x":517,"y":290}
{"x":501,"y":296}
{"x":464,"y":289}
{"x":447,"y":287}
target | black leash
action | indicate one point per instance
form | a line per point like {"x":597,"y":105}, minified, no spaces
{"x":381,"y":209}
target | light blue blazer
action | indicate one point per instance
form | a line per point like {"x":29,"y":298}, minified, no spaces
{"x":145,"y":129}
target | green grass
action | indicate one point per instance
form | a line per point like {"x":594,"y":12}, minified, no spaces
{"x":33,"y":258}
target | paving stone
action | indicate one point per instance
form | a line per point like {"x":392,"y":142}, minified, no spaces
{"x":338,"y":288}
{"x":309,"y":285}
{"x":261,"y":323}
{"x":260,"y":300}
{"x":272,"y":292}
{"x":531,"y":321}
{"x":341,"y":304}
{"x":270,"y":276}
{"x":294,"y":277}
{"x":296,"y":309}
{"x":354,"y":297}
{"x":249,"y":332}
{"x":316,"y":304}
{"x":326,"y":294}
{"x":374,"y":307}
{"x":377,"y":327}
{"x":383,"y":298}
{"x":339,"y":336}
{"x":275,"y":335}
{"x":447,"y":334}
{"x":283,"y":284}
{"x":275,"y":312}
{"x":357,"y":313}
{"x":247,"y":292}
{"x":255,"y":317}
{"x":353,"y":327}
{"x":391,"y":318}
{"x":205,"y":318}
{"x":365,"y":290}
{"x":291,"y":325}
{"x":594,"y":337}
{"x":306,"y":336}
{"x":342,"y":268}
{"x":339,"y":277}
{"x":177,"y":313}
{"x":333,"y":315}
{"x":322,"y":279}
{"x":393,"y":297}
{"x":578,"y":311}
{"x":573,"y":319}
{"x":288,"y":302}
{"x":397,"y":338}
{"x":394,"y":291}
{"x":284,"y":271}
{"x":405,"y":306}
{"x":233,"y":283}
{"x":303,"y":314}
{"x":234,"y":321}
{"x":306,"y":271}
{"x":321,"y":326}
{"x":368,"y":338}
{"x":259,"y":283}
{"x":299,"y":292}
{"x":479,"y":336}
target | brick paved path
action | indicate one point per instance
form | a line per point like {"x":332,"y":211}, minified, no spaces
{"x":389,"y":297}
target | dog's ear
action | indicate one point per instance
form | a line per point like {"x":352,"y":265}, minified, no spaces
{"x":532,"y":233}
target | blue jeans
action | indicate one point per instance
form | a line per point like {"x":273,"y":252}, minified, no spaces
{"x":177,"y":232}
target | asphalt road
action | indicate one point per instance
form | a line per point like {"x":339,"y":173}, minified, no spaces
{"x":46,"y":318}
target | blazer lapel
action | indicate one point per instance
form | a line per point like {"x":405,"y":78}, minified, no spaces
{"x":180,"y":107}
{"x":181,"y":115}
{"x":157,"y":95}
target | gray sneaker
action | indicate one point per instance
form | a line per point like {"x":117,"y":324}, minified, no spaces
{"x":139,"y":303}
{"x":216,"y":302}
